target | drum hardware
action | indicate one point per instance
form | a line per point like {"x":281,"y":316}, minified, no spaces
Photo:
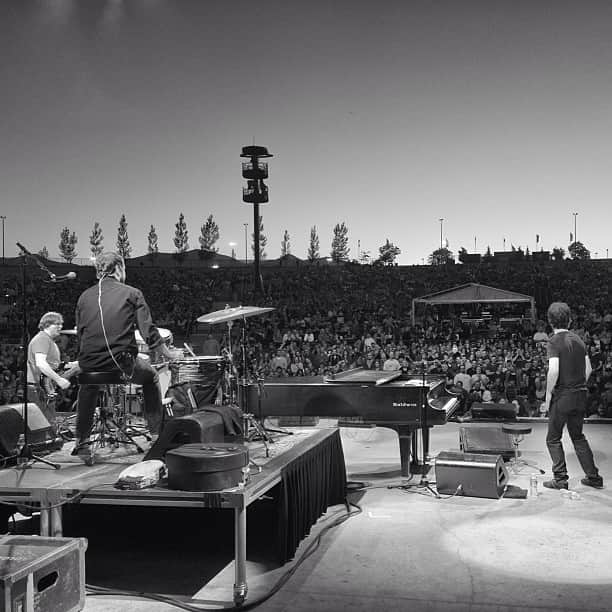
{"x":253,"y":428}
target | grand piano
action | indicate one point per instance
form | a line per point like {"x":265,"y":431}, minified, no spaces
{"x":402,"y":402}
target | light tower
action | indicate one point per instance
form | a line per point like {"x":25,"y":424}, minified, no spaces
{"x":256,"y":193}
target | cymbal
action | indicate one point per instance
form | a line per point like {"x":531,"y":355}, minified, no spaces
{"x":69,"y":332}
{"x":229,"y":314}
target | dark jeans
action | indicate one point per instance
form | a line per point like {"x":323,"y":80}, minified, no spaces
{"x":567,"y":408}
{"x":144,"y":375}
{"x":46,"y":403}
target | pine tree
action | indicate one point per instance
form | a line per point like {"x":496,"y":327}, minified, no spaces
{"x":95,"y":240}
{"x":67,"y":245}
{"x":152,"y":247}
{"x":440,"y":257}
{"x":209,"y":234}
{"x":339,"y":245}
{"x":262,"y":240}
{"x":388,"y":253}
{"x":313,"y":248}
{"x":286,"y":245}
{"x":44,"y":252}
{"x":181,"y":238}
{"x":123,"y":242}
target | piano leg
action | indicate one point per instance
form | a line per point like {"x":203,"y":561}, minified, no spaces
{"x":405,"y":435}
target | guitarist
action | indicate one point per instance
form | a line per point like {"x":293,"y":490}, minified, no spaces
{"x":43,"y":363}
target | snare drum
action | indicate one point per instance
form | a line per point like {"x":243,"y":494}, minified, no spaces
{"x":202,"y":370}
{"x":165,"y":334}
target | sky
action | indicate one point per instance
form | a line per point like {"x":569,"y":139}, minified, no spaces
{"x":388,"y":115}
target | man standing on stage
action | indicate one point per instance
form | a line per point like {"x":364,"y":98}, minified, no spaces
{"x":569,"y":369}
{"x":107,"y":316}
{"x":43,"y":361}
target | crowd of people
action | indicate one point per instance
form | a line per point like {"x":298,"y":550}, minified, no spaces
{"x":330,"y":318}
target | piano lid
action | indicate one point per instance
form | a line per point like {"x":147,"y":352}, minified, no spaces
{"x":379,"y":378}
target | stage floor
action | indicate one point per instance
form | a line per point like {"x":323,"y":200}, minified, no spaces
{"x":406,"y":550}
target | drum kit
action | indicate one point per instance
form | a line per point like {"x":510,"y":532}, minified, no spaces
{"x":252,"y":427}
{"x":216,"y":371}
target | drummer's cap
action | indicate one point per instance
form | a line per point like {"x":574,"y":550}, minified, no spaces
{"x":107,"y":264}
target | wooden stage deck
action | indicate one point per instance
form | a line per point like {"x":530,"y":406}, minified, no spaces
{"x":48,"y":490}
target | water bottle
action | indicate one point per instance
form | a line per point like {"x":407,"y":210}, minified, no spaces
{"x":533,"y":486}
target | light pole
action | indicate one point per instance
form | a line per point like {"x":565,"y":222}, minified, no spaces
{"x":441,"y":223}
{"x":575,"y":233}
{"x":3,"y":217}
{"x":246,"y":243}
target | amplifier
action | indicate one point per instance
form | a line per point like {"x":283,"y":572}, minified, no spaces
{"x":39,"y":574}
{"x":478,"y":475}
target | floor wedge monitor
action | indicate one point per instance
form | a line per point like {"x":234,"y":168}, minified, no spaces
{"x":470,"y":474}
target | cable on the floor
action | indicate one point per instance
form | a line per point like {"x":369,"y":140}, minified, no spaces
{"x":94,"y":591}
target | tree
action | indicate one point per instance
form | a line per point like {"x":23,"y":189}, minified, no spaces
{"x":365,"y":258}
{"x":488,"y":256}
{"x":181,"y":238}
{"x":262,"y":240}
{"x":461,"y":255}
{"x":577,"y":250}
{"x":313,"y":247}
{"x":209,"y":234}
{"x":44,"y":252}
{"x":558,"y":253}
{"x":123,"y":242}
{"x":152,"y":248}
{"x":339,"y":246}
{"x":67,"y":245}
{"x":388,"y":253}
{"x":440,"y":257}
{"x":95,"y":240}
{"x":286,"y":244}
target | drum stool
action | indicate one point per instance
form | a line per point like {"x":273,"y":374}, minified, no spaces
{"x":518,"y":431}
{"x":111,"y":426}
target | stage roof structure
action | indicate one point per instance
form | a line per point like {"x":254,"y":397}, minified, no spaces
{"x":473,"y":293}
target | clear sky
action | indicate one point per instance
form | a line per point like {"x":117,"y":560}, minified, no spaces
{"x":389,"y":115}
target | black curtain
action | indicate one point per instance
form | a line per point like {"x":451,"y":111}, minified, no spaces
{"x":309,"y":485}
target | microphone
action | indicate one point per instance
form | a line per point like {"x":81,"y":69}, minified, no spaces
{"x":63,"y":277}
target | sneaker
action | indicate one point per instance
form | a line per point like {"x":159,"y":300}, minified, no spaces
{"x":596,"y":482}
{"x":555,"y":484}
{"x":81,"y":448}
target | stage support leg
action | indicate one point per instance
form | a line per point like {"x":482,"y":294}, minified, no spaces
{"x":55,"y":515}
{"x":240,"y":582}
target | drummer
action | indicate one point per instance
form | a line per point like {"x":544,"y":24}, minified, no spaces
{"x":106,"y":316}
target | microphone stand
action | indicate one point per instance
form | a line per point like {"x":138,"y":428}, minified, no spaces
{"x":25,"y":457}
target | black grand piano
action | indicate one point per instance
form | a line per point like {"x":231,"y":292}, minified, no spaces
{"x":401,"y":402}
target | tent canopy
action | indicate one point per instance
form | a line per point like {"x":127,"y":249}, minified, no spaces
{"x":473,"y":293}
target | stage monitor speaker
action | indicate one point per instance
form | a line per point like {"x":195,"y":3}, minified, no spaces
{"x":40,"y":431}
{"x":478,"y":475}
{"x":197,"y":427}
